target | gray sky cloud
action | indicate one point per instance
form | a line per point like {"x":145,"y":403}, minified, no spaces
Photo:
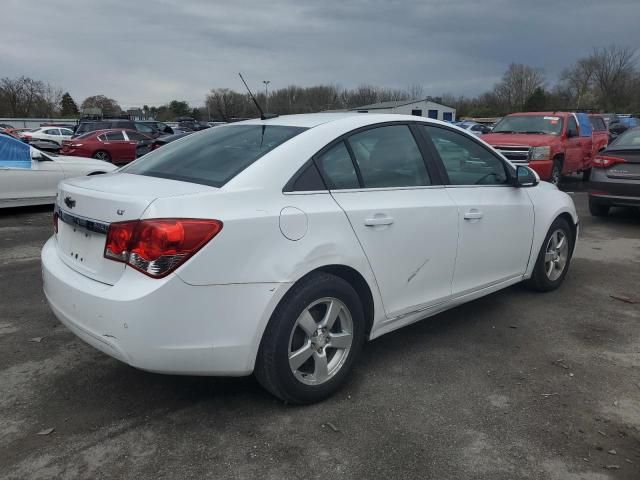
{"x":152,"y":51}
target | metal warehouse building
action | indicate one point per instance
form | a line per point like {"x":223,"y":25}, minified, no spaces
{"x":420,"y":108}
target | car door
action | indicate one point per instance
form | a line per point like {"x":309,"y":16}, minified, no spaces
{"x":141,"y":143}
{"x":33,"y":180}
{"x":65,"y":134}
{"x":574,"y":148}
{"x":399,"y":211}
{"x":495,"y":219}
{"x":119,"y":147}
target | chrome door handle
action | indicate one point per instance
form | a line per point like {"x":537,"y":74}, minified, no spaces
{"x":375,"y":221}
{"x":473,"y":215}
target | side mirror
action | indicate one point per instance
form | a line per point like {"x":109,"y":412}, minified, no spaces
{"x":525,"y":177}
{"x":36,"y":154}
{"x":571,"y":133}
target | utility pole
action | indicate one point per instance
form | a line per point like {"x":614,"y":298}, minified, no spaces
{"x":266,"y":94}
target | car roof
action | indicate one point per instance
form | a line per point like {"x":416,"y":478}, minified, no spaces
{"x":311,"y":120}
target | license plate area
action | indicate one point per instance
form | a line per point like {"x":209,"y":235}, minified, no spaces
{"x":80,"y":246}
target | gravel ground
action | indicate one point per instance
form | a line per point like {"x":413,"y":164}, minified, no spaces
{"x":517,"y":385}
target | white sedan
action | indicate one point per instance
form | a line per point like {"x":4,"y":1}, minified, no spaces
{"x":279,"y":246}
{"x":30,"y":177}
{"x":54,"y":134}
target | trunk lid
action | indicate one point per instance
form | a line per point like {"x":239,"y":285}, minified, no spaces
{"x":87,"y":205}
{"x":630,"y":170}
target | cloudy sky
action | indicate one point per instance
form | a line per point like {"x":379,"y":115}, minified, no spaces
{"x":151,"y":51}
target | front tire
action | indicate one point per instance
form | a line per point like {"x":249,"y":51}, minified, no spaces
{"x":554,"y":258}
{"x":556,"y":172}
{"x":312,"y":341}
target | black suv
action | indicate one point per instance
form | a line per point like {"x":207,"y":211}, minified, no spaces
{"x":87,"y":126}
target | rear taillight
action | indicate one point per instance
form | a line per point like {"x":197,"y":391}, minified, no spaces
{"x":158,"y":246}
{"x":606,"y":161}
{"x":55,"y":222}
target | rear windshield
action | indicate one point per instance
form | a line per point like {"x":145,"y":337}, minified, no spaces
{"x":215,"y":156}
{"x":533,"y":124}
{"x":630,"y":138}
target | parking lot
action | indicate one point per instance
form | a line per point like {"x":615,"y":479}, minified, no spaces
{"x":515,"y":385}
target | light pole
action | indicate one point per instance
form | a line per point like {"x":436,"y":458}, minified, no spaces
{"x":266,"y":94}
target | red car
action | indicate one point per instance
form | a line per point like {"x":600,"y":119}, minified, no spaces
{"x":551,"y":143}
{"x":116,"y":146}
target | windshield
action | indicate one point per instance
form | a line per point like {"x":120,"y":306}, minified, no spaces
{"x":540,"y":124}
{"x":215,"y":156}
{"x":630,"y":138}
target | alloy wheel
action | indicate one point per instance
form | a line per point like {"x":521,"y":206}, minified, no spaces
{"x":556,"y":255}
{"x":320,"y":341}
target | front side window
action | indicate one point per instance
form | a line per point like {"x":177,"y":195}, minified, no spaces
{"x":215,"y":156}
{"x":337,"y":168}
{"x":572,"y":127}
{"x":66,"y":131}
{"x":389,"y":157}
{"x":466,"y":162}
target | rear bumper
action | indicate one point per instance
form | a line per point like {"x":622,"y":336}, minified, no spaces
{"x":542,"y":167}
{"x":165,"y":325}
{"x":614,"y":200}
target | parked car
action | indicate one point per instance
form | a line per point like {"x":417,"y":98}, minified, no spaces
{"x":45,"y":145}
{"x":161,"y":141}
{"x":278,"y":246}
{"x":160,"y":126}
{"x":122,"y":124}
{"x":30,"y":177}
{"x":474,"y":127}
{"x":192,"y":125}
{"x":615,"y":180}
{"x":55,"y":134}
{"x":551,"y":143}
{"x":115,"y":146}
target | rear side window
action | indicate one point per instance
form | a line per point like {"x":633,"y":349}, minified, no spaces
{"x":337,"y":168}
{"x":630,"y":138}
{"x":114,"y":136}
{"x":215,"y":156}
{"x":598,"y":124}
{"x":91,"y":127}
{"x":389,"y":157}
{"x":572,"y":126}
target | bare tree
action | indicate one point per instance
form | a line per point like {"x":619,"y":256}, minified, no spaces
{"x":227,"y":104}
{"x":21,"y":95}
{"x":613,"y":72}
{"x":578,"y":80}
{"x":517,"y":85}
{"x":415,"y":92}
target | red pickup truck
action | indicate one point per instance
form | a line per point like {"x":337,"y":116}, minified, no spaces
{"x":551,"y":143}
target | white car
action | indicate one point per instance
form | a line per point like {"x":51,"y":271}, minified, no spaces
{"x":279,"y":246}
{"x":54,"y":134}
{"x":30,"y":177}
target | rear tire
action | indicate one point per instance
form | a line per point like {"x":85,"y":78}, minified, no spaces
{"x":554,"y":257}
{"x":597,"y":210}
{"x":102,"y":155}
{"x":304,"y":357}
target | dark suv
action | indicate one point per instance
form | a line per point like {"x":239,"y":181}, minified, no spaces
{"x":87,"y":126}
